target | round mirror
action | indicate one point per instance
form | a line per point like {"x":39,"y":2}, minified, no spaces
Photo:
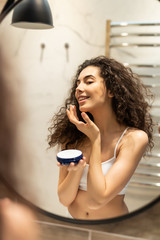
{"x":39,"y":66}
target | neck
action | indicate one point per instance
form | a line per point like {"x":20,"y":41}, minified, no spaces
{"x":106,"y":121}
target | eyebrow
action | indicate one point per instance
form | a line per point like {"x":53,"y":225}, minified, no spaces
{"x":86,"y":77}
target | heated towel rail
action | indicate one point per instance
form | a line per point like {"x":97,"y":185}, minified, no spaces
{"x":137,"y":45}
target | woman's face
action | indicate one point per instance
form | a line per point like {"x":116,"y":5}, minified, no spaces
{"x":91,"y":92}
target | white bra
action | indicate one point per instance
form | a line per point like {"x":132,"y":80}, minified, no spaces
{"x":105,"y":168}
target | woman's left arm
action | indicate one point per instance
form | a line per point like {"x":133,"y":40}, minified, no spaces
{"x":102,"y":189}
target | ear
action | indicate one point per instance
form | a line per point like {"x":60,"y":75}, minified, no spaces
{"x":110,"y":95}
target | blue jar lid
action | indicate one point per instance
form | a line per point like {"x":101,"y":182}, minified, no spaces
{"x":70,"y":155}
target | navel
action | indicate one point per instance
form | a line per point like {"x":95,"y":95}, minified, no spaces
{"x":87,"y":214}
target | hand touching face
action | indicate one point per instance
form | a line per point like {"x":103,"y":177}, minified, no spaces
{"x":88,"y":127}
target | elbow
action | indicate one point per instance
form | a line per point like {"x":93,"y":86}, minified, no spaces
{"x":64,"y":200}
{"x":97,"y":201}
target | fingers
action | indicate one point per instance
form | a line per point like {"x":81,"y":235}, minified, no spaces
{"x":58,"y":164}
{"x":87,"y":126}
{"x":86,"y":118}
{"x":75,"y":111}
{"x":72,"y":114}
{"x":74,"y":167}
{"x":81,"y":164}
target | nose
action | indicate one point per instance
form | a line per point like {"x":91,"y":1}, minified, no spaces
{"x":80,"y":87}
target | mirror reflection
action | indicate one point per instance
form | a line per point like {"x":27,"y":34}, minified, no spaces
{"x":43,"y":64}
{"x":107,"y":117}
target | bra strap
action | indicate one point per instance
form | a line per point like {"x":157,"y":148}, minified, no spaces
{"x":119,"y":141}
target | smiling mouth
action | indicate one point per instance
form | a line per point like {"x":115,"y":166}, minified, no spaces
{"x":80,"y":99}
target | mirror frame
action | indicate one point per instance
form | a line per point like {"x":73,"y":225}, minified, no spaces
{"x":78,"y":221}
{"x":5,"y":11}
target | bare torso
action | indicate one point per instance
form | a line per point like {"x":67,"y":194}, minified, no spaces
{"x":80,"y":210}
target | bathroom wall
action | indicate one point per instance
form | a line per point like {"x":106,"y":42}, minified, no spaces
{"x":43,"y":62}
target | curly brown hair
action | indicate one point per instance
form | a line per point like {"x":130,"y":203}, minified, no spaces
{"x":131,"y":103}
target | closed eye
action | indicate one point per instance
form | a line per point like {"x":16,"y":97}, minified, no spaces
{"x":89,"y":79}
{"x":89,"y":82}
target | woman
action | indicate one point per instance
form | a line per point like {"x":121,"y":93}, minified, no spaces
{"x":108,"y":119}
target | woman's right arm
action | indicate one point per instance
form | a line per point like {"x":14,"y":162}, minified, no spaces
{"x":69,"y":179}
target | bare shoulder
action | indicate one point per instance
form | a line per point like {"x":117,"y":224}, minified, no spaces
{"x":133,"y":144}
{"x":137,"y":134}
{"x":136,"y":137}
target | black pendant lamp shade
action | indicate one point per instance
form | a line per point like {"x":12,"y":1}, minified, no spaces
{"x":32,"y":14}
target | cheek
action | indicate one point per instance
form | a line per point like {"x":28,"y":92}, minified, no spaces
{"x":103,"y":93}
{"x":102,"y":90}
{"x":103,"y":97}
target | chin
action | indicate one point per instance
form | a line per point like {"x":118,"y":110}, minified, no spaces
{"x":84,"y":109}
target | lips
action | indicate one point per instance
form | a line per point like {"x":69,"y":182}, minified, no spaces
{"x":82,"y":98}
